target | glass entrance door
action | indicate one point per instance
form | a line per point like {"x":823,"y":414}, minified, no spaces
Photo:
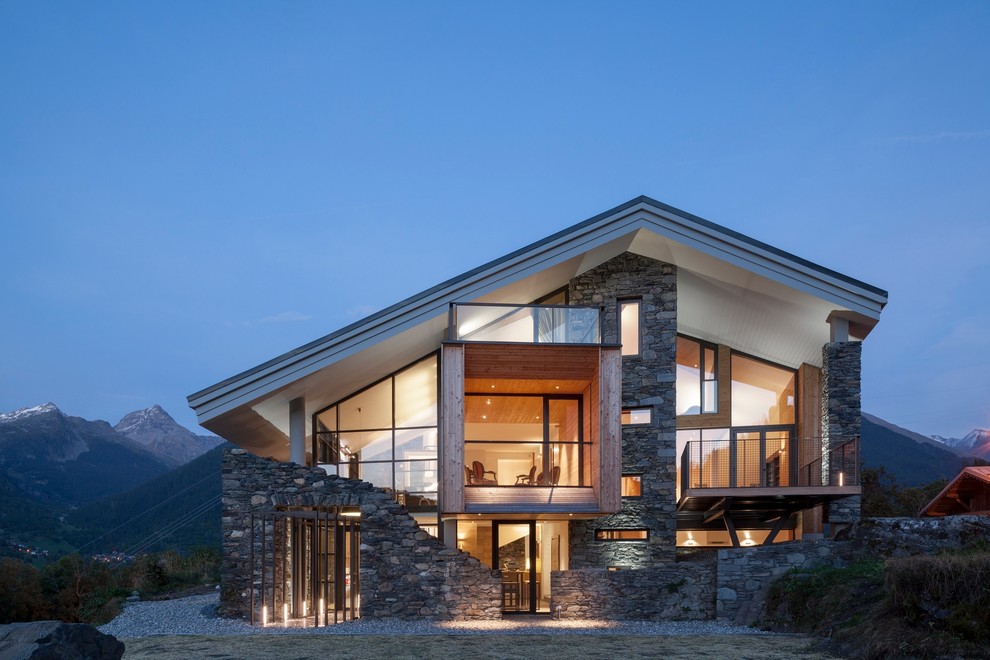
{"x":527,"y":552}
{"x":761,"y":456}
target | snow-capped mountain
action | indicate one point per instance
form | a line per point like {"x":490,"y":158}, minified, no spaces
{"x":975,"y":443}
{"x":22,"y":413}
{"x":154,"y":429}
{"x":54,"y":458}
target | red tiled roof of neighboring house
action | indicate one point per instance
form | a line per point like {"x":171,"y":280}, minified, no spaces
{"x":968,"y":493}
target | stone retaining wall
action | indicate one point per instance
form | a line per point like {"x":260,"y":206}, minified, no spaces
{"x":671,"y":592}
{"x":902,"y":537}
{"x":405,"y":572}
{"x":745,"y":574}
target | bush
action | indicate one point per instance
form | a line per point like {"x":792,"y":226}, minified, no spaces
{"x":21,"y":597}
{"x":950,"y":592}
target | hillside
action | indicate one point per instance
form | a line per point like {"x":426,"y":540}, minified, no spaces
{"x":179,"y":510}
{"x":913,"y":459}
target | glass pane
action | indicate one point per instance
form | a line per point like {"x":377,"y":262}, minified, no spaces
{"x":502,"y":464}
{"x":632,"y":486}
{"x":416,"y":476}
{"x":688,"y":400}
{"x":327,"y":419}
{"x":711,"y":396}
{"x":365,"y":446}
{"x":749,"y":460}
{"x":416,"y":443}
{"x":637,"y":416}
{"x":564,"y":467}
{"x":475,"y":538}
{"x":495,"y":323}
{"x":416,"y":395}
{"x":551,"y":555}
{"x":377,"y":474}
{"x":778,"y":458}
{"x":629,"y":327}
{"x":371,"y":409}
{"x":514,"y":559}
{"x":709,"y":364}
{"x":762,"y":394}
{"x":564,"y":420}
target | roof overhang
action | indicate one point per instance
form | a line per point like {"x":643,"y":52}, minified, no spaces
{"x":726,"y":284}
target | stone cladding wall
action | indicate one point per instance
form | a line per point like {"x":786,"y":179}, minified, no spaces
{"x":744,"y":575}
{"x":647,"y":380}
{"x":902,"y":537}
{"x":668,"y":592}
{"x":405,"y":572}
{"x":841,"y":411}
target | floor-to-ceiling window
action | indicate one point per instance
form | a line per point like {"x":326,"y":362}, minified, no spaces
{"x":524,"y":439}
{"x":386,"y":434}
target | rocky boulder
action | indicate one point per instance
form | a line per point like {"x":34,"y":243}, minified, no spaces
{"x":54,"y":640}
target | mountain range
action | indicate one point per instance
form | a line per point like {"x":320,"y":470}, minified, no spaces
{"x":975,"y":443}
{"x":52,"y":464}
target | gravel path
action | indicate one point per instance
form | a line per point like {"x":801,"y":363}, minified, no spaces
{"x":195,"y":615}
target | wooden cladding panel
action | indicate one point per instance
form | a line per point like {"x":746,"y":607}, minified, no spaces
{"x":610,"y":434}
{"x":809,"y":422}
{"x":527,"y":361}
{"x":452,"y":428}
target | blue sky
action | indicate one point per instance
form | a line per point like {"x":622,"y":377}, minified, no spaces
{"x":188,"y":189}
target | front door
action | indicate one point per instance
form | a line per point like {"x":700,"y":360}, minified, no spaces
{"x":526,"y":552}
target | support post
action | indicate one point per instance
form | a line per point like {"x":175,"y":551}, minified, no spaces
{"x":297,"y":431}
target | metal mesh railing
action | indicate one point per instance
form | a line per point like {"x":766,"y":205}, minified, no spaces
{"x":759,"y":462}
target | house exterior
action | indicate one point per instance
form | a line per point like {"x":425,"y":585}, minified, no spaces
{"x":966,"y":495}
{"x":643,"y":381}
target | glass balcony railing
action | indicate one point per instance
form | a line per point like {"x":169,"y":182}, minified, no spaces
{"x":525,"y":324}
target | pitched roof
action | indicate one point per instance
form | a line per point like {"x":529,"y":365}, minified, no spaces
{"x":641,"y":224}
{"x":951,"y":501}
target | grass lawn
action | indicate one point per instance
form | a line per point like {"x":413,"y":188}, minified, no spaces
{"x":398,"y":647}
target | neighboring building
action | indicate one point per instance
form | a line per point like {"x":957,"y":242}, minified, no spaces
{"x":967,"y":494}
{"x":643,"y":380}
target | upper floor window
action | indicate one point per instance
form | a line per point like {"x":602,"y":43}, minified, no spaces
{"x":762,"y":393}
{"x":697,"y":377}
{"x":629,"y":326}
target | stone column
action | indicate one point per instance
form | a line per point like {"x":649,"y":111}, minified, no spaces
{"x":648,"y":380}
{"x":297,"y":431}
{"x":841,"y":413}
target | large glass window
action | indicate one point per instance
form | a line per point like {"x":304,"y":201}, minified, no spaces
{"x":524,"y":440}
{"x":386,"y":434}
{"x":762,"y":393}
{"x":697,"y":377}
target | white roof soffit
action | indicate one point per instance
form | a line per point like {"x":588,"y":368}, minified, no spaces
{"x":641,"y":225}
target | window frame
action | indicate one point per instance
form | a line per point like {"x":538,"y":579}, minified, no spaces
{"x":713,"y":347}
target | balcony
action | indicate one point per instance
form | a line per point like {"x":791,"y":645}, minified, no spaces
{"x":756,"y":483}
{"x":525,"y":324}
{"x":752,"y":465}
